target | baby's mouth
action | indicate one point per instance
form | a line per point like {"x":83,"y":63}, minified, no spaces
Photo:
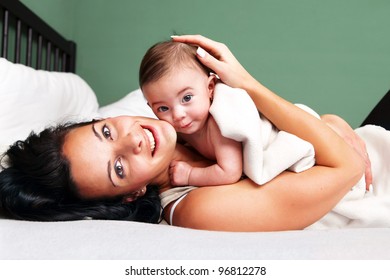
{"x":186,"y":125}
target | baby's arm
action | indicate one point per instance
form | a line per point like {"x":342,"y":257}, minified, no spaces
{"x":227,"y":170}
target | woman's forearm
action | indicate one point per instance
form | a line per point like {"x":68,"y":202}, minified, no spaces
{"x":331,"y":150}
{"x":288,"y":117}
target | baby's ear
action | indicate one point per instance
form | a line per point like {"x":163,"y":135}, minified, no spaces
{"x":211,"y":85}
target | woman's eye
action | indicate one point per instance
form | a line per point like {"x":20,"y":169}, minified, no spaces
{"x":106,"y":132}
{"x":187,"y":98}
{"x":119,"y":169}
{"x":162,"y":109}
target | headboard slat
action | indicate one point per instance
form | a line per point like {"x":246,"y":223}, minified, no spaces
{"x":18,"y":40}
{"x":48,"y":55}
{"x":56,"y":59}
{"x":39,"y":52}
{"x":4,"y":45}
{"x":34,"y":37}
{"x":29,"y":46}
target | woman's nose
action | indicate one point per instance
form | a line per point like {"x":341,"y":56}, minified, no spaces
{"x":131,"y":142}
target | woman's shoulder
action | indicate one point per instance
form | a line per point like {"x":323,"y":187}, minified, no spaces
{"x":193,"y":209}
{"x":227,"y":207}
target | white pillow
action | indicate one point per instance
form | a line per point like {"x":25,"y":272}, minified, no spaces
{"x":133,"y":104}
{"x":33,"y":99}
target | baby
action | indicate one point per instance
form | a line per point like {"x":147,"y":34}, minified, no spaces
{"x":220,"y":122}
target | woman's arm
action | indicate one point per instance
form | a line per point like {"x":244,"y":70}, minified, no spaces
{"x":290,"y":201}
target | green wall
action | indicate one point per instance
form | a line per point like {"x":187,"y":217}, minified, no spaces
{"x":332,"y":55}
{"x":57,"y":13}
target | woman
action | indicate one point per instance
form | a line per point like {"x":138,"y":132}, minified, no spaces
{"x":114,"y":162}
{"x":37,"y":185}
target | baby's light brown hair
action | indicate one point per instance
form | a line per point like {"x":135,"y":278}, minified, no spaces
{"x":165,"y":56}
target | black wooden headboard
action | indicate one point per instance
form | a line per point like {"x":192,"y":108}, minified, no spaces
{"x":28,"y":40}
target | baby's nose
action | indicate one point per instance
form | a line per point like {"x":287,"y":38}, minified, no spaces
{"x":178,"y":114}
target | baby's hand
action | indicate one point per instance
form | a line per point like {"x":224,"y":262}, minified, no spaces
{"x":179,"y":173}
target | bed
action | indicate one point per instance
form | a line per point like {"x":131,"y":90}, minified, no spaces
{"x":38,"y":87}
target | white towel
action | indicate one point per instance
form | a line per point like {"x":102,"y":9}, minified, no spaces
{"x":266,"y":151}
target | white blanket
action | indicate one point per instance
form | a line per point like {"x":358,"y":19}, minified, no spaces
{"x":360,"y":208}
{"x":266,"y":151}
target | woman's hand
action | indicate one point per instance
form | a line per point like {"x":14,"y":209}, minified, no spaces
{"x":219,"y":58}
{"x":343,"y":129}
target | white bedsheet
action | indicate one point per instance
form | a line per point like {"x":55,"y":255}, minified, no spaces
{"x":120,"y":240}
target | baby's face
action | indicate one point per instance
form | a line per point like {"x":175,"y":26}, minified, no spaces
{"x":181,"y":98}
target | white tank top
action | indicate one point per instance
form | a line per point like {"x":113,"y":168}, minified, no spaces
{"x":173,"y":194}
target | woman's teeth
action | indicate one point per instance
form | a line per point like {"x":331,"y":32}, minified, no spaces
{"x":151,"y":139}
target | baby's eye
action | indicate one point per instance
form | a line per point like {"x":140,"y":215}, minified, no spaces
{"x":162,"y":109}
{"x":187,"y":98}
{"x":106,"y":132}
{"x":119,"y":169}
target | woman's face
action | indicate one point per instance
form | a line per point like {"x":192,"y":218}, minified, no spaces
{"x":119,"y":156}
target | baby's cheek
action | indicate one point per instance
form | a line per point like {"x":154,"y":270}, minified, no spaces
{"x":165,"y":118}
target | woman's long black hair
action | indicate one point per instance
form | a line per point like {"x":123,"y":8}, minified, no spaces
{"x":36,"y":184}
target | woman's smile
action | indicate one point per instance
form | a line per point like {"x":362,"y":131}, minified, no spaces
{"x":151,"y":138}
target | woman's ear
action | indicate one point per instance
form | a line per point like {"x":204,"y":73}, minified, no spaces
{"x":128,"y":199}
{"x":134,"y":195}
